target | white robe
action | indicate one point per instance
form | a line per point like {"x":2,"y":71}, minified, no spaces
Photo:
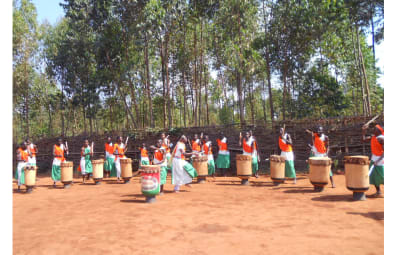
{"x":179,"y":175}
{"x":287,"y":154}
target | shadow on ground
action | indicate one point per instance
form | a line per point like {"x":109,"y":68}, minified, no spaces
{"x":371,"y":215}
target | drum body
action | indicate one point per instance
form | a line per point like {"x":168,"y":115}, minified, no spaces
{"x":243,"y":166}
{"x":200,"y":164}
{"x":30,"y":176}
{"x":150,"y":180}
{"x":356,"y":171}
{"x":319,"y":170}
{"x":277,"y":164}
{"x":98,"y":169}
{"x":126,"y":168}
{"x":67,"y":171}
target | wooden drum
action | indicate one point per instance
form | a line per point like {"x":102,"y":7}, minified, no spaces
{"x":243,"y":167}
{"x":357,"y":178}
{"x":126,"y":169}
{"x":277,"y":164}
{"x":97,"y":170}
{"x":319,"y":171}
{"x":150,"y":181}
{"x":30,"y":177}
{"x":201,"y":166}
{"x":67,"y":173}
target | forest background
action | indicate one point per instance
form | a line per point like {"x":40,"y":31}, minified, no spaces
{"x":111,"y":65}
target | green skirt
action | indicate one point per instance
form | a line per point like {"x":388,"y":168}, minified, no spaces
{"x":223,"y":161}
{"x":163,"y":175}
{"x":290,"y":172}
{"x":56,"y":173}
{"x":190,"y":170}
{"x":144,"y":162}
{"x":169,"y":168}
{"x":22,"y":180}
{"x":109,"y":165}
{"x":254,"y":165}
{"x":377,"y":176}
{"x":88,"y":166}
{"x":211,"y":167}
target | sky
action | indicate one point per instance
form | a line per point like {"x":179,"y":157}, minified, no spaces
{"x":52,"y":11}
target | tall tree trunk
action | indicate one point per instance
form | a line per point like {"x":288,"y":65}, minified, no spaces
{"x":164,"y":85}
{"x":184,"y":98}
{"x":206,"y":99}
{"x":26,"y":101}
{"x":284,"y":89}
{"x":268,"y":64}
{"x":357,"y":60}
{"x":239,"y":75}
{"x":264,"y":102}
{"x":365,"y":76}
{"x":166,"y":59}
{"x":128,"y":111}
{"x":148,"y":90}
{"x":195,"y":77}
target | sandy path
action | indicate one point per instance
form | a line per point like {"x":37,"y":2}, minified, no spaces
{"x":218,"y":217}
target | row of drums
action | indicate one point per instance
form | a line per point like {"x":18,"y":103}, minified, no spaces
{"x":150,"y":176}
{"x":356,"y":172}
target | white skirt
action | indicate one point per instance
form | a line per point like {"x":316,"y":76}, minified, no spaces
{"x":82,"y":164}
{"x":179,"y":175}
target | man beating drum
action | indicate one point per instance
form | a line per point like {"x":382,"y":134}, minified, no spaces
{"x":250,"y":148}
{"x":320,"y":147}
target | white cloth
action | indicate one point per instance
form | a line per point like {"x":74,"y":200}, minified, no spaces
{"x":315,"y":151}
{"x":20,"y":167}
{"x":118,"y":163}
{"x":210,"y":156}
{"x":83,"y":165}
{"x":249,"y":143}
{"x":144,"y":158}
{"x":179,"y":175}
{"x":163,"y":162}
{"x":32,"y":160}
{"x":56,"y":162}
{"x":108,"y":155}
{"x":288,"y":155}
{"x":376,"y":157}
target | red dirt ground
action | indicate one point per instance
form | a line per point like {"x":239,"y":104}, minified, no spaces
{"x":217,"y":217}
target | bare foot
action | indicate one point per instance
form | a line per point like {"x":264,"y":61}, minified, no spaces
{"x":333,"y":186}
{"x":188,"y":185}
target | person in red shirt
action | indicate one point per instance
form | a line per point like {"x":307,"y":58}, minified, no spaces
{"x":376,"y":177}
{"x":22,"y":160}
{"x":144,"y":155}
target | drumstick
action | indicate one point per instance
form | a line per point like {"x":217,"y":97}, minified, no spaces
{"x":126,"y":141}
{"x":371,"y":169}
{"x":369,"y":122}
{"x":66,"y":145}
{"x":92,"y":147}
{"x":283,"y":133}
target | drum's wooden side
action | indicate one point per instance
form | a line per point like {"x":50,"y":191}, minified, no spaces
{"x":97,"y":169}
{"x":67,"y":172}
{"x":243,"y":167}
{"x":357,"y":178}
{"x":201,"y":168}
{"x":277,"y":170}
{"x":319,"y":175}
{"x":30,"y":176}
{"x":126,"y":168}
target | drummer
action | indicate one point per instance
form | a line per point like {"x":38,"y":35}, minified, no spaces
{"x":196,"y":143}
{"x":182,"y":171}
{"x":58,"y":152}
{"x":109,"y":165}
{"x":223,"y":159}
{"x":320,"y":147}
{"x":166,"y":144}
{"x":144,"y":155}
{"x":207,"y":148}
{"x":85,"y":165}
{"x":33,"y":150}
{"x":376,"y":177}
{"x":285,"y":144}
{"x":160,"y":158}
{"x":119,"y":151}
{"x":22,"y":160}
{"x":250,"y":148}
